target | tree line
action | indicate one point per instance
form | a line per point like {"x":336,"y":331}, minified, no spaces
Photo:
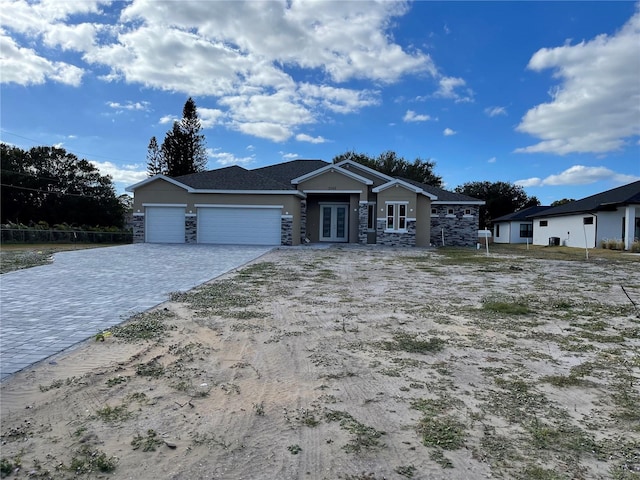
{"x":49,"y":184}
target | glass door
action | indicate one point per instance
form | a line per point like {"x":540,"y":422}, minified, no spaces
{"x":334,"y":223}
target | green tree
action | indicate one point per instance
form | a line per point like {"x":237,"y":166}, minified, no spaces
{"x":391,"y":164}
{"x":500,"y":199}
{"x":51,"y":185}
{"x":557,"y":203}
{"x":183,"y":149}
{"x":155,"y":160}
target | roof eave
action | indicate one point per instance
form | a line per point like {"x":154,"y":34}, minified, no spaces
{"x":132,"y":188}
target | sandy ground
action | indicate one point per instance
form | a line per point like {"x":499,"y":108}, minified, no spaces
{"x":350,"y":363}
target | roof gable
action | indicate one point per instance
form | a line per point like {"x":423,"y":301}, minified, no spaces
{"x":348,"y":164}
{"x":155,"y":178}
{"x":610,"y":199}
{"x":397,"y":182}
{"x":331,"y":168}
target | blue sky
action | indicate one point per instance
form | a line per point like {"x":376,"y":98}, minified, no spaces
{"x":542,"y":94}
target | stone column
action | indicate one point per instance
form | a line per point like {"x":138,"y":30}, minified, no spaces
{"x":363,"y":214}
{"x":138,"y":228}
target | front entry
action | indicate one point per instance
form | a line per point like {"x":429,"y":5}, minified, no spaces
{"x":334,"y":222}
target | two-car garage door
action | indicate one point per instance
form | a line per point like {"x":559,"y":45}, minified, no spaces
{"x":241,"y":225}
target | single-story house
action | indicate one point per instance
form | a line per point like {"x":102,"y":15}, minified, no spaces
{"x":516,"y":227}
{"x":610,"y":215}
{"x":300,"y":201}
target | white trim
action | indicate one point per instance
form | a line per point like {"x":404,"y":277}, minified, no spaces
{"x":132,"y":188}
{"x":412,"y":188}
{"x":363,"y":202}
{"x":190,"y":214}
{"x":410,"y":219}
{"x":462,"y":202}
{"x":396,"y":201}
{"x":286,"y":216}
{"x":138,"y":214}
{"x":396,"y":231}
{"x":331,"y":168}
{"x":332,"y":191}
{"x":366,"y":169}
{"x":177,"y":205}
{"x":222,"y":205}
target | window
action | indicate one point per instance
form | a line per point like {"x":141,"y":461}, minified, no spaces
{"x":396,"y":216}
{"x":371,"y":216}
{"x":467,"y":211}
{"x":497,"y":229}
{"x":526,"y":230}
{"x":543,"y":223}
{"x":587,"y":220}
{"x":449,"y":211}
{"x":434,"y":211}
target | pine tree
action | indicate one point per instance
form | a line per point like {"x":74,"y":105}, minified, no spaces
{"x":183,"y":149}
{"x":155,"y":160}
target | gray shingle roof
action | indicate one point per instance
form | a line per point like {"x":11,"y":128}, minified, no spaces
{"x":442,"y":194}
{"x":285,"y":172}
{"x":231,"y":178}
{"x":624,"y":195}
{"x":523,"y":214}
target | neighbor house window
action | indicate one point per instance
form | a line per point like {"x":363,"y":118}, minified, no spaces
{"x":526,"y":230}
{"x":543,"y":223}
{"x":371,"y":216}
{"x":497,"y":230}
{"x":588,"y":220}
{"x":449,"y":211}
{"x":396,"y":216}
{"x":434,"y":211}
{"x":467,"y":211}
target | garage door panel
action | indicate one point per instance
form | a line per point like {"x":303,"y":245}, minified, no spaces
{"x":164,"y":224}
{"x":239,"y":226}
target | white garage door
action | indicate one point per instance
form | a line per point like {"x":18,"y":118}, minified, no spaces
{"x":239,"y":225}
{"x":164,"y":224}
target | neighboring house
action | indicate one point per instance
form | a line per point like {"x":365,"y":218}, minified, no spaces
{"x":610,"y":215}
{"x":516,"y":227}
{"x":300,"y":201}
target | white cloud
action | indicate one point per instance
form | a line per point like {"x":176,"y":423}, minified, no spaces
{"x":450,"y":87}
{"x":210,"y":117}
{"x":289,"y":156}
{"x":447,"y":132}
{"x":303,"y":137}
{"x":127,"y":174}
{"x":495,"y":111}
{"x":492,"y":160}
{"x":168,"y":119}
{"x":132,"y":106}
{"x":579,"y":175}
{"x":412,"y":116}
{"x":226,"y":159}
{"x":595,"y":107}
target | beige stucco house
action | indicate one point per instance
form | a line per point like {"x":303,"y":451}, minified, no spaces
{"x":297,"y":202}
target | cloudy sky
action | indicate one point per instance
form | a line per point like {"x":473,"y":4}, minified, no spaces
{"x":542,"y":94}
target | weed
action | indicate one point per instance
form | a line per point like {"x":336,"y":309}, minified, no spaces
{"x":145,"y":326}
{"x":364,"y":436}
{"x":148,"y":443}
{"x":294,"y":449}
{"x":407,"y":342}
{"x":116,"y":381}
{"x":534,"y":472}
{"x":514,"y":306}
{"x":563,"y":380}
{"x":8,"y":466}
{"x":113,"y":414}
{"x":259,"y":408}
{"x":438,"y":457}
{"x":151,"y":369}
{"x":209,"y":439}
{"x":406,"y":470}
{"x":87,"y":461}
{"x":444,"y":432}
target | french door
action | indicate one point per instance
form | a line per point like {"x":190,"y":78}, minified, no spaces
{"x":334,"y":223}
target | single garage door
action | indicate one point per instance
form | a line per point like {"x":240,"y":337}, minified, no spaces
{"x":164,"y":224}
{"x":239,"y":225}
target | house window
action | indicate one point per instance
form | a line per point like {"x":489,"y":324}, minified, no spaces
{"x":371,"y":216}
{"x":526,"y":230}
{"x":434,"y":211}
{"x":587,"y":220}
{"x":396,"y":216}
{"x":544,"y":223}
{"x":497,"y":230}
{"x":467,"y":211}
{"x":449,"y":211}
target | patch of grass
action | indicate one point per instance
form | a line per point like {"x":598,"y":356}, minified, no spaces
{"x":512,"y":306}
{"x":563,"y":380}
{"x":363,"y":436}
{"x":145,"y":326}
{"x":151,"y":369}
{"x":444,"y":432}
{"x":516,"y":400}
{"x":116,"y":381}
{"x":7,"y":466}
{"x":560,"y":438}
{"x":438,"y":457}
{"x":294,"y":449}
{"x":147,"y":443}
{"x":411,"y":343}
{"x":218,"y":297}
{"x":406,"y":470}
{"x":113,"y":414}
{"x":87,"y":461}
{"x":259,"y":408}
{"x":534,"y":472}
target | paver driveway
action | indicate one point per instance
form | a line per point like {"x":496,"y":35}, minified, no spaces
{"x":44,"y":310}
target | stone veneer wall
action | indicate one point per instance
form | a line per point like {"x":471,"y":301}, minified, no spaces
{"x":459,"y":230}
{"x":286,"y":230}
{"x":191,"y":229}
{"x":303,"y":221}
{"x":363,"y":213}
{"x":396,"y":239}
{"x":138,"y":228}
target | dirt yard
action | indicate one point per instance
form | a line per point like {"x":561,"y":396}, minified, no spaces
{"x":351,"y":363}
